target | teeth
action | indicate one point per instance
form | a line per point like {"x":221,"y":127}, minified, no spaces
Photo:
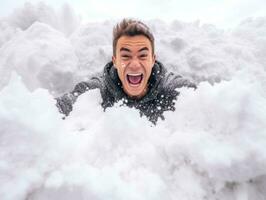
{"x":139,"y":74}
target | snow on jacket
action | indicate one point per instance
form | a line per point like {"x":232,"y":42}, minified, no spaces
{"x":160,"y":97}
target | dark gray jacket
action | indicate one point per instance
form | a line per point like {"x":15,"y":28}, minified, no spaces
{"x":160,"y":97}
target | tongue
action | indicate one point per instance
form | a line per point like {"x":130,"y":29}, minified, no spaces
{"x":134,"y":79}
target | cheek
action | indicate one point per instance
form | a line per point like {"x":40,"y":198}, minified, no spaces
{"x":148,"y":67}
{"x":121,"y":70}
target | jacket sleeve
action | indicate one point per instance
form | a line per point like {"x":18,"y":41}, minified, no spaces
{"x":65,"y":102}
{"x":174,"y":81}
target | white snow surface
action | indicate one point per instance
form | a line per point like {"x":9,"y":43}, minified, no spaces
{"x":213,"y":147}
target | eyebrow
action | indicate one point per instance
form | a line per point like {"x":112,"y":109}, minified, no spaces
{"x":125,"y":49}
{"x":144,"y":48}
{"x":128,"y":50}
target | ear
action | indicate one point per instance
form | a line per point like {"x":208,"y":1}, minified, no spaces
{"x":153,"y":59}
{"x":114,"y":61}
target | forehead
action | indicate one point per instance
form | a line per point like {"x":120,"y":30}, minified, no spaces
{"x":133,"y":42}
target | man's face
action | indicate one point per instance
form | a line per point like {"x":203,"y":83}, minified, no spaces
{"x":134,"y":61}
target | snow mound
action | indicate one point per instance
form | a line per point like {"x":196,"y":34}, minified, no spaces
{"x":213,"y":147}
{"x":64,"y":20}
{"x":42,"y":56}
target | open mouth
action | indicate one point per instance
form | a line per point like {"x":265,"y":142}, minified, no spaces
{"x":134,"y":79}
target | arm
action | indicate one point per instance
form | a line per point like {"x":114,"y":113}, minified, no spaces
{"x":174,"y":81}
{"x":65,"y":102}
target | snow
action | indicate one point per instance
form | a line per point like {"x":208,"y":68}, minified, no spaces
{"x":42,"y":56}
{"x":211,"y":147}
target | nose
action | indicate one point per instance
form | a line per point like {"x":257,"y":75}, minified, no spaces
{"x":135,"y":64}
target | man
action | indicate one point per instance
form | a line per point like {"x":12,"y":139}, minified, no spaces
{"x":134,"y":76}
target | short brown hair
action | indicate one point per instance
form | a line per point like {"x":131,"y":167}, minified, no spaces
{"x":131,"y":27}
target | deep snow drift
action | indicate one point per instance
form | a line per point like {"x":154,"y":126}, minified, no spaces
{"x":211,"y":147}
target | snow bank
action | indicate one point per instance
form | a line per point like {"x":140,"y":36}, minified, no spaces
{"x":92,"y":44}
{"x":42,"y":56}
{"x":64,"y":20}
{"x":211,"y":147}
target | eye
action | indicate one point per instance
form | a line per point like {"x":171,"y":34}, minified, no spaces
{"x":143,"y":56}
{"x":125,"y":57}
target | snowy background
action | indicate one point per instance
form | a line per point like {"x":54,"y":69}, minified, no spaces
{"x":212,"y":148}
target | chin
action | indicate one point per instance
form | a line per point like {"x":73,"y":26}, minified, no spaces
{"x":135,"y":92}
